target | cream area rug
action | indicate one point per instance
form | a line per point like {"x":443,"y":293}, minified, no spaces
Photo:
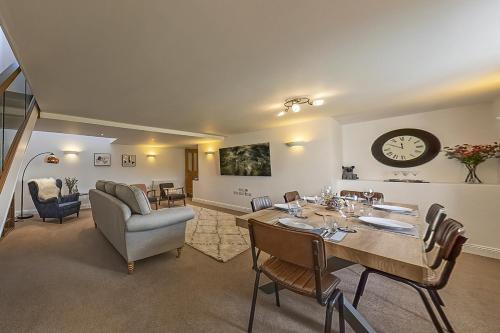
{"x":216,"y":234}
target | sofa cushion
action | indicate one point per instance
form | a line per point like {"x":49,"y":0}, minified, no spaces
{"x":134,"y":198}
{"x":110,"y":188}
{"x":101,"y":185}
{"x":47,"y":188}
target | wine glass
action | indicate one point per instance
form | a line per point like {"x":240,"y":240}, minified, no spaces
{"x":368,"y":194}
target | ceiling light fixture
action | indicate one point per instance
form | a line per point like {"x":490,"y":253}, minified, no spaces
{"x":295,"y":102}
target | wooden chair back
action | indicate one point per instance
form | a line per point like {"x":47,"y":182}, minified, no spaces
{"x":450,"y":238}
{"x":291,"y":196}
{"x":301,"y":248}
{"x":359,"y":194}
{"x":261,"y":203}
{"x":434,"y":217}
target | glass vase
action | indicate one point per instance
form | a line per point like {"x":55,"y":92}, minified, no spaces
{"x":472,"y":177}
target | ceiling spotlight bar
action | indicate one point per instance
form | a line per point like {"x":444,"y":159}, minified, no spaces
{"x":295,"y":103}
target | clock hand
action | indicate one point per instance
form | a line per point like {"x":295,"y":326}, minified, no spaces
{"x":394,"y":146}
{"x":402,"y":146}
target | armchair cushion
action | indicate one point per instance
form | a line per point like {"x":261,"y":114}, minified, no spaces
{"x":159,"y":219}
{"x":70,"y":197}
{"x":47,"y":188}
{"x":134,"y":198}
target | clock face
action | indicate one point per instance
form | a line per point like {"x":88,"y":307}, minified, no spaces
{"x":404,"y":148}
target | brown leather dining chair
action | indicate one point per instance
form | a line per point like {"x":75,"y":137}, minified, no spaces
{"x":291,"y":196}
{"x":450,"y":238}
{"x":359,"y":194}
{"x":435,"y":216}
{"x":298,"y":263}
{"x":261,"y":203}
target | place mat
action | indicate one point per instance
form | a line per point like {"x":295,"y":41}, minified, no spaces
{"x":412,"y":232}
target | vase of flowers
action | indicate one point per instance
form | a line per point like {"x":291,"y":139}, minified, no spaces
{"x":471,"y":156}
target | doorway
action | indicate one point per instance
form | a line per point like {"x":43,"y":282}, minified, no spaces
{"x":191,"y":170}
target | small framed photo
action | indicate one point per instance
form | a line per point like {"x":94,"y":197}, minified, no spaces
{"x":102,"y":159}
{"x":128,"y":160}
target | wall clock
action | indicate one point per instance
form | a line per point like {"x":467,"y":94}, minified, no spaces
{"x":406,"y":147}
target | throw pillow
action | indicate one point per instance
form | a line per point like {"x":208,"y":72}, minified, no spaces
{"x":134,"y":198}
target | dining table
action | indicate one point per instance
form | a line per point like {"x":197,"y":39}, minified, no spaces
{"x":383,"y":249}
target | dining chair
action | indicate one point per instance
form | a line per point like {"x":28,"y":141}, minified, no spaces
{"x":450,"y":238}
{"x":359,"y":194}
{"x":298,"y":263}
{"x":435,"y":216}
{"x":171,"y":194}
{"x":291,"y":196}
{"x":261,"y":203}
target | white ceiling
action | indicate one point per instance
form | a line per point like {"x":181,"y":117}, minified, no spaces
{"x":225,"y":66}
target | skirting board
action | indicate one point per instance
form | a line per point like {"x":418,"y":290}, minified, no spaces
{"x":34,"y":212}
{"x":223,"y":205}
{"x":480,"y":250}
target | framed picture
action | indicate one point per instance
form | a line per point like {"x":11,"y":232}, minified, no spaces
{"x":128,"y":160}
{"x":102,"y":159}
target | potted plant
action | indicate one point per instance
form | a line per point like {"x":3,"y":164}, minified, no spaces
{"x":471,"y":156}
{"x":71,"y":184}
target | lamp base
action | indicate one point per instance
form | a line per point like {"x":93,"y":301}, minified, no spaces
{"x":24,"y":217}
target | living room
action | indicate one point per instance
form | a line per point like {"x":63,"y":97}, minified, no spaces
{"x":148,"y":187}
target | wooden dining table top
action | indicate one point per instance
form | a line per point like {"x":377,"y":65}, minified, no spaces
{"x":399,"y":254}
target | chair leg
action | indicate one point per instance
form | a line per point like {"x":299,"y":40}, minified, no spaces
{"x":184,"y":202}
{"x":43,"y":219}
{"x":130,"y":267}
{"x":179,"y":251}
{"x":437,"y":304}
{"x":340,"y":304}
{"x":361,"y":287}
{"x":78,"y":214}
{"x":277,"y":293}
{"x":60,"y":220}
{"x":335,"y":298}
{"x":95,"y":225}
{"x":254,"y":300}
{"x":438,"y":297}
{"x":429,"y":309}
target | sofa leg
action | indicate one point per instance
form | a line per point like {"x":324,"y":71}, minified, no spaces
{"x":78,"y":214}
{"x":130,"y":267}
{"x":179,"y":251}
{"x":43,"y":218}
{"x":60,"y":220}
{"x":95,"y":225}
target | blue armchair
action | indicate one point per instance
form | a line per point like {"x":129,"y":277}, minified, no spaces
{"x":59,"y":207}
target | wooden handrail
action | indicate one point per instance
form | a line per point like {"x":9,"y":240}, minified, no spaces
{"x":8,"y":75}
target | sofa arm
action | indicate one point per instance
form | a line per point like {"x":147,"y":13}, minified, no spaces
{"x":159,"y":219}
{"x":70,"y":197}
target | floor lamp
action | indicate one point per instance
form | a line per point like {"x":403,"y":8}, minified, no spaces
{"x":51,"y":159}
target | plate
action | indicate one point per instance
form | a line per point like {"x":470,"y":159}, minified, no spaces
{"x":310,"y":199}
{"x":281,"y":206}
{"x":386,"y":223}
{"x":295,"y":223}
{"x":393,"y":208}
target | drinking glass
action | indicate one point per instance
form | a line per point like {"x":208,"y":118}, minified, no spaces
{"x":368,"y":194}
{"x":330,"y":223}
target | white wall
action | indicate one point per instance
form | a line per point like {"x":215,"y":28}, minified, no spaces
{"x":472,"y":124}
{"x":6,"y":55}
{"x":168,"y":165}
{"x":306,"y":169}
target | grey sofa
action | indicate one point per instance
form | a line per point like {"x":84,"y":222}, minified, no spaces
{"x":123,"y":214}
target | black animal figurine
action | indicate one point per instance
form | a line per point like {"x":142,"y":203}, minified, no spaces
{"x":347,"y":172}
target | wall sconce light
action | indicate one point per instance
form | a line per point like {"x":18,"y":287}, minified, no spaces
{"x":295,"y":144}
{"x":151,"y":155}
{"x":209,"y":153}
{"x":71,"y":153}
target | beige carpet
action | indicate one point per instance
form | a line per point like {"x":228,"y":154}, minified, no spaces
{"x":68,"y":278}
{"x":216,"y":234}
